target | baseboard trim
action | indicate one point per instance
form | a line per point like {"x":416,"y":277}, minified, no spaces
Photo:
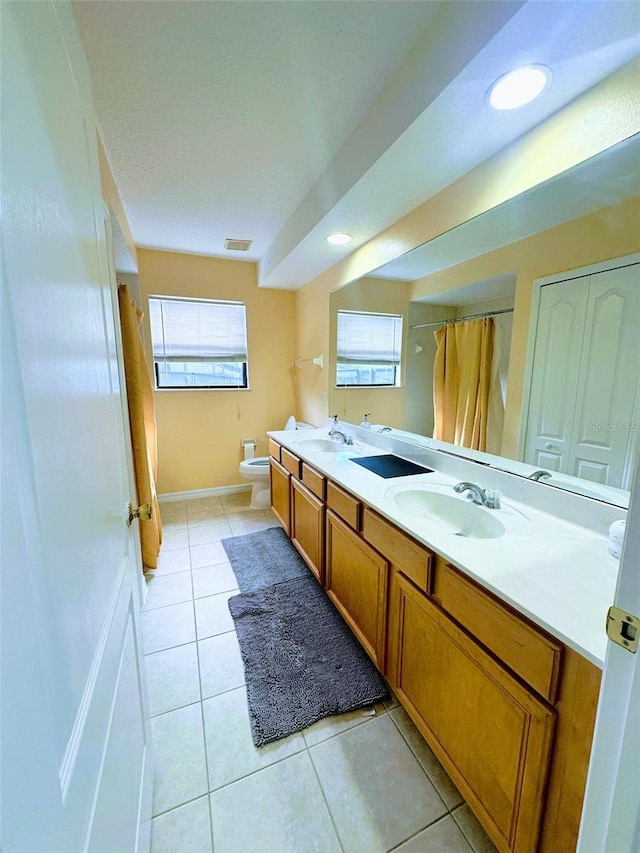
{"x":203,"y":493}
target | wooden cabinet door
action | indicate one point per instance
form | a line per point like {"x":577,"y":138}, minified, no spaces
{"x":492,"y":736}
{"x":307,"y":527}
{"x":357,"y":579}
{"x":280,"y":499}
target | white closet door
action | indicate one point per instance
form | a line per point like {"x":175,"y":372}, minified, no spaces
{"x":608,"y":378}
{"x":554,"y":378}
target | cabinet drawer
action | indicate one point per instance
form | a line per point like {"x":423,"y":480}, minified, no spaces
{"x":525,"y":649}
{"x":290,"y":461}
{"x":274,"y":449}
{"x":345,"y":505}
{"x":412,"y":559}
{"x":315,"y":482}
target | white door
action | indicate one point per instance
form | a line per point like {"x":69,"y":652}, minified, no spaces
{"x":75,"y":764}
{"x":611,"y":812}
{"x":555,"y":373}
{"x":603,"y":434}
{"x":584,"y":379}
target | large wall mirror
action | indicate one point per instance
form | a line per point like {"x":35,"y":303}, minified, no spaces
{"x":566,"y":332}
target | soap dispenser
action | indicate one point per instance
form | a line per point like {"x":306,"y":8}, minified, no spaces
{"x":366,"y":423}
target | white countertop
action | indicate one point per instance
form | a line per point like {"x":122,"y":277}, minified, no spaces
{"x":557,"y":573}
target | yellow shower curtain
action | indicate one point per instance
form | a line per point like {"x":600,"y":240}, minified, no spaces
{"x":462,"y":381}
{"x":142,"y":420}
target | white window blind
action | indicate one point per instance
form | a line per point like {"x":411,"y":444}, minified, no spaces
{"x":369,"y":338}
{"x":188,"y":330}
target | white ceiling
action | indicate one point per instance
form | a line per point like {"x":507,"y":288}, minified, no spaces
{"x":283,"y":121}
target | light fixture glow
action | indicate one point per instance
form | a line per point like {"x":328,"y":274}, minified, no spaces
{"x":339,"y":239}
{"x":519,"y":87}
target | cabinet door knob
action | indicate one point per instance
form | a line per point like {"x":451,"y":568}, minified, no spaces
{"x":548,"y":445}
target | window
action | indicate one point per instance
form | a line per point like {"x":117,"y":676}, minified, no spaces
{"x":198,"y":343}
{"x":369,"y":349}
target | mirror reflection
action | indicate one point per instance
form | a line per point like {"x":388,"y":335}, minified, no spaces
{"x":550,"y":388}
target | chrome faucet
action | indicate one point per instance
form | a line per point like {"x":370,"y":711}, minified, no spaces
{"x":476,"y":493}
{"x":540,"y":475}
{"x":384,"y":429}
{"x":346,"y":439}
{"x":489,"y":498}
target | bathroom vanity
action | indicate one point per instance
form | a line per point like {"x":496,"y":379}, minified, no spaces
{"x":479,"y":633}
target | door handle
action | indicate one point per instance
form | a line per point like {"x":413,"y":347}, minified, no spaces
{"x":143,"y":512}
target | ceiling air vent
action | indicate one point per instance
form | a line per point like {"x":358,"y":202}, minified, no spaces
{"x":237,"y":245}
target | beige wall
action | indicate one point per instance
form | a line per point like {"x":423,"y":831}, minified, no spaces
{"x":608,"y":233}
{"x":312,"y":336}
{"x":200,"y":432}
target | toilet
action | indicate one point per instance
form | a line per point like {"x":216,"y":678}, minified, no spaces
{"x":257,"y":471}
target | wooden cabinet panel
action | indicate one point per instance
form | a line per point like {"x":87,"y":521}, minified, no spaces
{"x":280,"y":497}
{"x":357,"y":582}
{"x":345,"y":505}
{"x":274,"y":449}
{"x":314,"y":481}
{"x":307,"y":527}
{"x":290,"y":461}
{"x":492,"y":735}
{"x":411,"y":558}
{"x":530,"y":653}
{"x":576,"y":715}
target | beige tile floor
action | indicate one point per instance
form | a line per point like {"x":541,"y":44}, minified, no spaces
{"x":351,"y":783}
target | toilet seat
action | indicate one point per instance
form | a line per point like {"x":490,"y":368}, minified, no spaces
{"x":257,"y":467}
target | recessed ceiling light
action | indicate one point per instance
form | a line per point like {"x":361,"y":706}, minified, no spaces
{"x":519,"y":87}
{"x":339,"y":239}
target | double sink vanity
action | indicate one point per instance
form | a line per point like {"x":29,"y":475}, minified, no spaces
{"x":484,"y":612}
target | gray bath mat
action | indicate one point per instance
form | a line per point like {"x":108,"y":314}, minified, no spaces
{"x":264,"y":558}
{"x":301,"y":661}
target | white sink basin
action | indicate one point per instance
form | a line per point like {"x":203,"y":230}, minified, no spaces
{"x":323,"y":445}
{"x":441,"y":508}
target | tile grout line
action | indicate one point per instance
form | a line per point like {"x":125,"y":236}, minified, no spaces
{"x":204,"y":734}
{"x":462,"y":830}
{"x":343,"y":731}
{"x":181,"y":805}
{"x":304,"y":748}
{"x":324,"y":797}
{"x":429,"y":826}
{"x":415,"y":755}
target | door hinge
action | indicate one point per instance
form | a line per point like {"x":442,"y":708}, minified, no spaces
{"x":623,"y":628}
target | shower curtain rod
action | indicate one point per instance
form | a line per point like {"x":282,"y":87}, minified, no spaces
{"x":460,"y":319}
